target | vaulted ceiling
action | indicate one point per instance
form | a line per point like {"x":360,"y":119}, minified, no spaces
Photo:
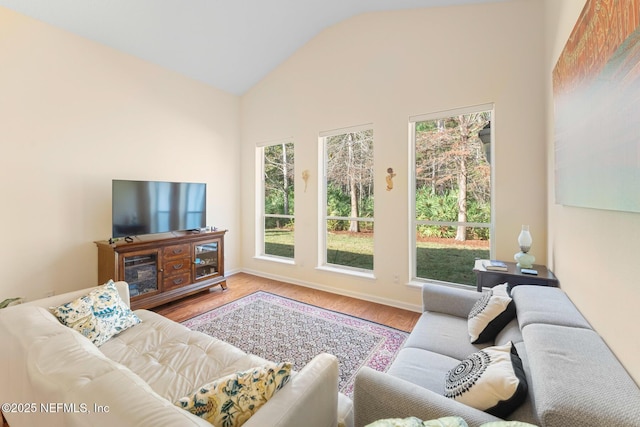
{"x":229,"y":44}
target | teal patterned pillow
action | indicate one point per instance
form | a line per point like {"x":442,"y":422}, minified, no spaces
{"x":507,"y":424}
{"x":230,"y":401}
{"x":99,"y":315}
{"x":416,"y":422}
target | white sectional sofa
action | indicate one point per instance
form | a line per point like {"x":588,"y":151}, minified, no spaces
{"x":52,"y":375}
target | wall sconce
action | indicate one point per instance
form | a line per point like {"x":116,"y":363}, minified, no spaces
{"x":390,"y":175}
{"x":305,"y":178}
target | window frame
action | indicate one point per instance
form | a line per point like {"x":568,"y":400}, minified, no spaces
{"x":323,"y":263}
{"x":413,"y":222}
{"x":260,"y":215}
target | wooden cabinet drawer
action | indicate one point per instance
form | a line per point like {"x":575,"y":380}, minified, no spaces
{"x":176,"y":251}
{"x":176,"y":266}
{"x":176,"y":281}
{"x":163,"y":269}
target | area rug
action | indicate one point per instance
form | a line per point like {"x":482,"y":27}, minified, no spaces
{"x":281,"y":329}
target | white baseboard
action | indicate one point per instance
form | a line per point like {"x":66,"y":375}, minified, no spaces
{"x":338,"y":291}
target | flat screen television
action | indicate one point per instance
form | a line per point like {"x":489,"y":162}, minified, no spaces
{"x":148,"y":207}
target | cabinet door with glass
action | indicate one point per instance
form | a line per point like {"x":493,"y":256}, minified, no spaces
{"x":141,"y":270}
{"x":207,"y":260}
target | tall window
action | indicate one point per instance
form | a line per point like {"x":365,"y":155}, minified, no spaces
{"x":277,"y":219}
{"x":347,"y":226}
{"x":452,"y":193}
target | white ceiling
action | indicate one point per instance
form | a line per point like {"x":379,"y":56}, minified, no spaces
{"x":229,"y":44}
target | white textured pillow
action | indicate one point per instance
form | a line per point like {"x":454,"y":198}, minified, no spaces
{"x":490,"y":314}
{"x":99,"y":315}
{"x":490,"y":380}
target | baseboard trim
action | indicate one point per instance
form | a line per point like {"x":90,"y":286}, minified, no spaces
{"x":337,"y":291}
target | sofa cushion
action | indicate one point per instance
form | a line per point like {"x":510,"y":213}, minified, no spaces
{"x":422,"y":367}
{"x":577,"y":381}
{"x":173,"y":359}
{"x":544,"y":304}
{"x":452,"y":300}
{"x":45,"y":361}
{"x":230,"y":401}
{"x":510,"y":333}
{"x":444,"y":334}
{"x":490,"y":314}
{"x":491,"y":380}
{"x":98,"y":315}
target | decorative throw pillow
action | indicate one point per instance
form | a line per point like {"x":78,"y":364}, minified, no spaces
{"x":490,"y":314}
{"x":416,"y":422}
{"x":99,"y":315}
{"x":230,"y":401}
{"x":507,"y":424}
{"x":491,"y":380}
{"x":446,"y":422}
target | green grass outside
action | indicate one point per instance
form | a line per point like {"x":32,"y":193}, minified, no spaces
{"x":279,"y":242}
{"x":448,"y":262}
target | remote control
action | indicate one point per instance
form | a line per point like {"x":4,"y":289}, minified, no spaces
{"x":529,"y":271}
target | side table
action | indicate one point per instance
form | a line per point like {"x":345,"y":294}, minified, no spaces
{"x":489,"y":278}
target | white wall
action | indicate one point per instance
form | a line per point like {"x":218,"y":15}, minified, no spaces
{"x":74,"y":115}
{"x":381,"y":68}
{"x":594,"y":252}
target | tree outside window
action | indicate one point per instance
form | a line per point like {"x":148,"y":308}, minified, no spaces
{"x":278,"y":190}
{"x":348,"y":192}
{"x":452,"y":202}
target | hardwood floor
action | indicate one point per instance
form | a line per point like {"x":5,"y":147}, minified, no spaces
{"x":242,"y":284}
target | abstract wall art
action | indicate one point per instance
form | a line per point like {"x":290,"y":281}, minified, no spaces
{"x":596,"y":88}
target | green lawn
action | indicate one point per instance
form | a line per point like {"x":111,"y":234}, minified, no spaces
{"x":448,"y":261}
{"x":453,"y":263}
{"x":279,"y":242}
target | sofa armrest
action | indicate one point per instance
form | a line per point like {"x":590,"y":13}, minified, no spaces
{"x":49,"y":364}
{"x":309,"y":399}
{"x":378,"y":395}
{"x":56,"y":300}
{"x":123,"y":290}
{"x":449,"y":299}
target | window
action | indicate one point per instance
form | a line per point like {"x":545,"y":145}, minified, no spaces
{"x":451,"y":200}
{"x":347,"y":220}
{"x":276,"y":202}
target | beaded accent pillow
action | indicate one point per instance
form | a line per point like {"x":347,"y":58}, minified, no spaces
{"x":490,"y":314}
{"x":491,"y":380}
{"x":231,"y":400}
{"x":99,"y":315}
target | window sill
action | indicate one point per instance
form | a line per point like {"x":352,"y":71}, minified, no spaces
{"x":348,"y":271}
{"x":418,"y":284}
{"x":280,"y":260}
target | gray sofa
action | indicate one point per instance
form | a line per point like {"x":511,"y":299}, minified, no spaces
{"x":573,"y":377}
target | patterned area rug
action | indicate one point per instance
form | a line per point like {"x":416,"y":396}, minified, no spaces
{"x":281,"y":329}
